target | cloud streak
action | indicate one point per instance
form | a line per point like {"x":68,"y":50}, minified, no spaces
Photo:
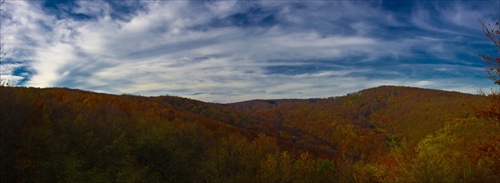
{"x":228,"y":51}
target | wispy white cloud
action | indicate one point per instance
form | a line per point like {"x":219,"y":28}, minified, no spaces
{"x":230,"y":51}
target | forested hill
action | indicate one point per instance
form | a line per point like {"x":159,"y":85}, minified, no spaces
{"x":380,"y":134}
{"x":406,"y":112}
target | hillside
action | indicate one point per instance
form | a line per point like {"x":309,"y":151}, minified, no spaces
{"x":406,"y":112}
{"x":380,"y":134}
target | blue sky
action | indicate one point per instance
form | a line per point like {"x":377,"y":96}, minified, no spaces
{"x":227,"y":51}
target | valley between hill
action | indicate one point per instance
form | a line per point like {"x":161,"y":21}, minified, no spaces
{"x":383,"y":134}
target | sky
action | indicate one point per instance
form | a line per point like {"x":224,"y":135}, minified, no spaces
{"x":229,"y":51}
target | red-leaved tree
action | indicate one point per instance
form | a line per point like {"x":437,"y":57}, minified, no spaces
{"x":492,"y":31}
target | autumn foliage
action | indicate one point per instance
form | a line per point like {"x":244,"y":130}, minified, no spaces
{"x":384,"y":134}
{"x":492,"y":31}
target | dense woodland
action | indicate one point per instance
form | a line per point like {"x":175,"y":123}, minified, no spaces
{"x":384,"y":134}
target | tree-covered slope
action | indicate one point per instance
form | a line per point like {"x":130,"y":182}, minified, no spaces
{"x":66,"y":135}
{"x":382,"y":134}
{"x":406,"y":112}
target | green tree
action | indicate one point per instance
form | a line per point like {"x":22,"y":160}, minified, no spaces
{"x":437,"y":159}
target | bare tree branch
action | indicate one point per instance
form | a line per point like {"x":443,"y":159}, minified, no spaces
{"x":1,"y":55}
